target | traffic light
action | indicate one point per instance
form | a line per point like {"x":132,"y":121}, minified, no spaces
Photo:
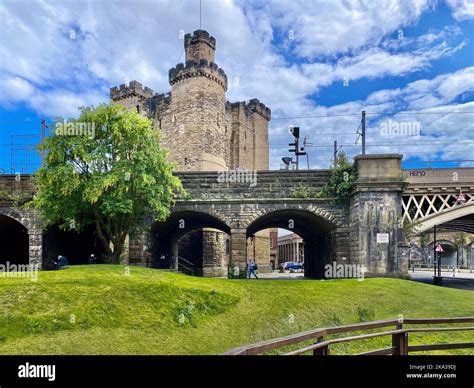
{"x":295,"y":131}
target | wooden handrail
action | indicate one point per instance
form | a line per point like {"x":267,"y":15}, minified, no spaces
{"x":399,"y":337}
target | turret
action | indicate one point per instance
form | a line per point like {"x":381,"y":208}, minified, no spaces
{"x":198,"y":131}
{"x":132,"y":96}
{"x":199,"y":46}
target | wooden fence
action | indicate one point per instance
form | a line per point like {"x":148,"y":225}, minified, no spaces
{"x":396,"y":330}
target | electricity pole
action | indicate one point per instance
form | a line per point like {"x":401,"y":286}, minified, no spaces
{"x":363,"y":132}
{"x":43,"y":135}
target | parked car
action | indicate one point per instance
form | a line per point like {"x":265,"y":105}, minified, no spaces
{"x":291,"y":266}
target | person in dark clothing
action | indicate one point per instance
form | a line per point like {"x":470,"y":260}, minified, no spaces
{"x":252,"y":267}
{"x":92,"y":259}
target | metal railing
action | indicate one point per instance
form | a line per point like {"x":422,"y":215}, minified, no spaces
{"x":186,"y":266}
{"x":399,"y":335}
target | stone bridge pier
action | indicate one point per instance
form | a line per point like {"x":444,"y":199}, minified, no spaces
{"x":376,"y":215}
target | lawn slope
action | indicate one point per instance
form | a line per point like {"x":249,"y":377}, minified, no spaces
{"x":107,"y":309}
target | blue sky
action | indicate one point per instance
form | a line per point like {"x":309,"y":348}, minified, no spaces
{"x":316,"y":64}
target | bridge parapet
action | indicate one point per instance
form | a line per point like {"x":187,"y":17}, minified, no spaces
{"x":439,"y":180}
{"x":16,"y":186}
{"x":222,"y":185}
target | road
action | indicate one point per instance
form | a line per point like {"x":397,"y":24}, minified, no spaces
{"x":463,"y":280}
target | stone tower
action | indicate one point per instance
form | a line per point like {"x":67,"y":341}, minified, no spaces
{"x":198,"y":124}
{"x":202,"y":131}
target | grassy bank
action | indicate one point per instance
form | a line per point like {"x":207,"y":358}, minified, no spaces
{"x":109,"y":309}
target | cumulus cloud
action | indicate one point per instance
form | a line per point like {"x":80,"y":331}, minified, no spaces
{"x":461,"y":9}
{"x":59,"y":55}
{"x":441,"y":126}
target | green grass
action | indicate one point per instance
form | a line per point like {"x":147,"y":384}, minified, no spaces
{"x":105,"y":309}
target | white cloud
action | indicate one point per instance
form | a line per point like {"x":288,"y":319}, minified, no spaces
{"x":444,"y":134}
{"x":331,"y":27}
{"x":461,"y":9}
{"x":53,"y":74}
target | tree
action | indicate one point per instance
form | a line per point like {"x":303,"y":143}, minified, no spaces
{"x":107,"y":169}
{"x":342,"y":178}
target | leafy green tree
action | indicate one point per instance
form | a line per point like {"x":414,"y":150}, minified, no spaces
{"x":107,"y":169}
{"x":342,"y":178}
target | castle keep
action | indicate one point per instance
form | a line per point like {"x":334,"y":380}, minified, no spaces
{"x":200,"y":128}
{"x":205,"y":132}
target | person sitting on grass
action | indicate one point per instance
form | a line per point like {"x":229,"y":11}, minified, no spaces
{"x":92,"y":259}
{"x":252,"y":267}
{"x":61,"y":262}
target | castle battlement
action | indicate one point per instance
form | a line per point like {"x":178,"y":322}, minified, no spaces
{"x":200,"y":36}
{"x":160,"y":102}
{"x":253,"y":106}
{"x":133,"y":89}
{"x":201,"y":68}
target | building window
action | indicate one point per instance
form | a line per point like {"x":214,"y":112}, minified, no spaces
{"x":138,"y":108}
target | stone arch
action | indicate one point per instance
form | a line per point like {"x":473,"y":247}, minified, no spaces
{"x":17,"y":215}
{"x":191,"y":236}
{"x":450,"y":256}
{"x":14,"y":240}
{"x":324,"y":214}
{"x":207,"y":210}
{"x":316,"y":226}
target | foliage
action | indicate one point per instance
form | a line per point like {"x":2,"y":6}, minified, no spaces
{"x":410,"y":228}
{"x":302,"y":191}
{"x":424,"y":239}
{"x":111,"y":177}
{"x":16,"y":199}
{"x":461,"y":239}
{"x":342,"y":178}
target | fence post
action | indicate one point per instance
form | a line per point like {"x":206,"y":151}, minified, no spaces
{"x":323,"y":351}
{"x":400,"y":342}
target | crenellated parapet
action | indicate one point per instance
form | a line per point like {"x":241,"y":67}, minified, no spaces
{"x":201,"y":68}
{"x":133,"y":89}
{"x":251,"y":107}
{"x":160,"y":102}
{"x":199,"y":36}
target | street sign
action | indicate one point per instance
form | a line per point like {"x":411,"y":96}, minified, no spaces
{"x":439,"y":248}
{"x":461,"y":198}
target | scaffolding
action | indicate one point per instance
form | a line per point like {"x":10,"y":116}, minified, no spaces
{"x":24,"y":156}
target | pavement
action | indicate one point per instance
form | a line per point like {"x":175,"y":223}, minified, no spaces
{"x":282,"y":276}
{"x":462,"y":280}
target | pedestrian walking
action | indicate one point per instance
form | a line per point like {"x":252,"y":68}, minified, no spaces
{"x":252,"y":267}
